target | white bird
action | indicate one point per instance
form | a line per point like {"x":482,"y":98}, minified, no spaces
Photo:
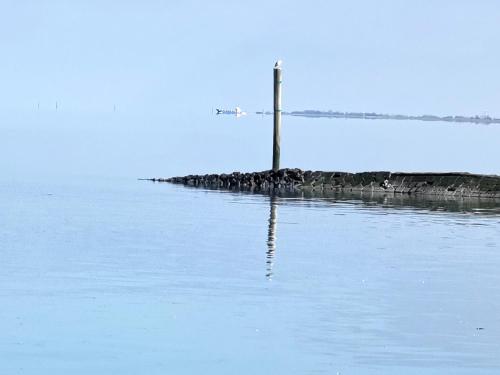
{"x":278,"y":64}
{"x":239,"y":112}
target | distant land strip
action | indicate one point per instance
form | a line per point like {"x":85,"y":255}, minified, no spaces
{"x":485,"y":119}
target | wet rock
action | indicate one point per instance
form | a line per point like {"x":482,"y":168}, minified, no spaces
{"x":446,"y":184}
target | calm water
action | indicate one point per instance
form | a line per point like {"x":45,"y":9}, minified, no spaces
{"x":117,"y":276}
{"x":104,"y":274}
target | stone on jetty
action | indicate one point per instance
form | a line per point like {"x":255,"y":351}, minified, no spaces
{"x":445,"y":184}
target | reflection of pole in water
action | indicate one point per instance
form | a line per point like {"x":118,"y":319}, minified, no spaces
{"x":271,"y":238}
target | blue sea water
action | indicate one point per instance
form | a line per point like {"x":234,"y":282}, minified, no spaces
{"x":104,"y":274}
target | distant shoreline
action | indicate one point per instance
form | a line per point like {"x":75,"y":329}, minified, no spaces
{"x":381,"y":116}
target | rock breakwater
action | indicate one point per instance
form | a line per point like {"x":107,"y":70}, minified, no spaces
{"x":444,"y":184}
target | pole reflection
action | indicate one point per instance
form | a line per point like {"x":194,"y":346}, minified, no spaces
{"x":271,"y":237}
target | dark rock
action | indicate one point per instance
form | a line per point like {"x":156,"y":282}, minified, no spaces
{"x":447,"y":184}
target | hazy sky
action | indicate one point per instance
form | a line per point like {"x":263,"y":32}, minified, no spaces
{"x":387,"y":56}
{"x":165,"y":64}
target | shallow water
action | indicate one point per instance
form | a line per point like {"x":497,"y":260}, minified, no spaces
{"x":123,"y":276}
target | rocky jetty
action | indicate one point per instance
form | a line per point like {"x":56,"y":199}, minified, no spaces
{"x":443,"y":184}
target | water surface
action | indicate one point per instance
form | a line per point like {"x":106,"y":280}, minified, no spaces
{"x":120,"y":276}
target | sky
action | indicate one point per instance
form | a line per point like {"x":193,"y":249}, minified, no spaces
{"x":136,"y":82}
{"x":386,"y":56}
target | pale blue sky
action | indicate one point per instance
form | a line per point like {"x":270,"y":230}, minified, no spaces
{"x":388,"y":56}
{"x":166,"y":64}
